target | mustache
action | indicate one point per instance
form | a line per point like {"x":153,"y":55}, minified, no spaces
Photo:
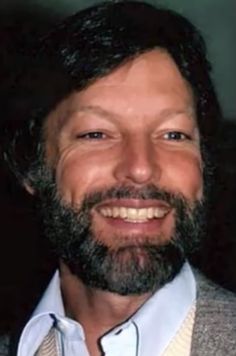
{"x":148,"y":192}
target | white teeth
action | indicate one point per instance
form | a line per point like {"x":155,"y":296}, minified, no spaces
{"x":115,"y":212}
{"x":150,"y":213}
{"x":123,"y":213}
{"x":133,"y":214}
{"x":142,"y":214}
{"x":158,"y":213}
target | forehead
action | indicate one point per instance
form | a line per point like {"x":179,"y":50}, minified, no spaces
{"x":155,"y":67}
{"x":152,"y":74}
{"x":147,"y":87}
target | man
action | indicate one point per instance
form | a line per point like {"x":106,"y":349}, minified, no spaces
{"x":114,"y":142}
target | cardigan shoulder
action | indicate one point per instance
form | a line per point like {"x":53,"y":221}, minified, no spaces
{"x":214,"y":332}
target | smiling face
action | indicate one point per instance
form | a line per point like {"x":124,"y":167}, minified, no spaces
{"x":134,"y":129}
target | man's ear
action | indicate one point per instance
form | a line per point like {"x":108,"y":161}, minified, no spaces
{"x":28,"y":187}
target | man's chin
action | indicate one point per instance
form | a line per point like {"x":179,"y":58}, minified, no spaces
{"x":131,"y":270}
{"x":126,"y":264}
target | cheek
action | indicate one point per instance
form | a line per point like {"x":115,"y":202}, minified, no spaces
{"x":78,"y":175}
{"x":184,"y":174}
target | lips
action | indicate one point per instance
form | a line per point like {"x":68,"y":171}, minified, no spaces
{"x":123,"y":221}
{"x":133,"y":214}
{"x":136,"y":212}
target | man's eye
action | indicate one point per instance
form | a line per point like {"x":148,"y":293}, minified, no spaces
{"x":97,"y":135}
{"x":176,"y":136}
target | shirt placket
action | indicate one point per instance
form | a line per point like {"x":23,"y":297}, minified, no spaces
{"x":71,"y":339}
{"x":123,"y":341}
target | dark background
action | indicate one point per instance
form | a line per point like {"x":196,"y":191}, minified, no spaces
{"x":26,"y":263}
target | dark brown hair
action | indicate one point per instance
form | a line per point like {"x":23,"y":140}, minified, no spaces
{"x":89,"y":45}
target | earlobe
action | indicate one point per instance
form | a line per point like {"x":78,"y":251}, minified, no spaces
{"x":29,"y":188}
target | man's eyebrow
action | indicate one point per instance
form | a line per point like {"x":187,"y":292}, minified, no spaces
{"x":83,"y":110}
{"x":101,"y":112}
{"x":188,"y":111}
{"x":92,"y":109}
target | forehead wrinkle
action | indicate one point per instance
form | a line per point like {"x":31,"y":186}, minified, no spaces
{"x":65,"y":112}
{"x":91,"y":109}
{"x":162,"y":116}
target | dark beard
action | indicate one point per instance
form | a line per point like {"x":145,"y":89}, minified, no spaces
{"x":131,"y":269}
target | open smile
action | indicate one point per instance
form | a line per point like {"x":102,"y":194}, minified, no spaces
{"x":134,"y":220}
{"x":133,"y":211}
{"x":135,"y":215}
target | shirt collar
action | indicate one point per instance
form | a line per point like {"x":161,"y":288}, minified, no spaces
{"x":51,"y":301}
{"x":156,"y":322}
{"x":162,"y":315}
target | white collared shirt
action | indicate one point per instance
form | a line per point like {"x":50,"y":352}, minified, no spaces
{"x":147,"y":332}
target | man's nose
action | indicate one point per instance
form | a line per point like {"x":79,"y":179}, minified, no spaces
{"x":138,"y":163}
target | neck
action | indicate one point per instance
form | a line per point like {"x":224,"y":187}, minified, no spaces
{"x":96,"y":310}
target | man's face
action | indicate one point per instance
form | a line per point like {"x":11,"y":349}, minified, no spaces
{"x":134,"y":130}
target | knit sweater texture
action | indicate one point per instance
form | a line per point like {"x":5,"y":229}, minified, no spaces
{"x":181,"y":342}
{"x":214,"y":332}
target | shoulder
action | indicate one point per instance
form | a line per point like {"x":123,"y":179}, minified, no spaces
{"x":4,"y":345}
{"x":215,"y":320}
{"x":210,"y":292}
